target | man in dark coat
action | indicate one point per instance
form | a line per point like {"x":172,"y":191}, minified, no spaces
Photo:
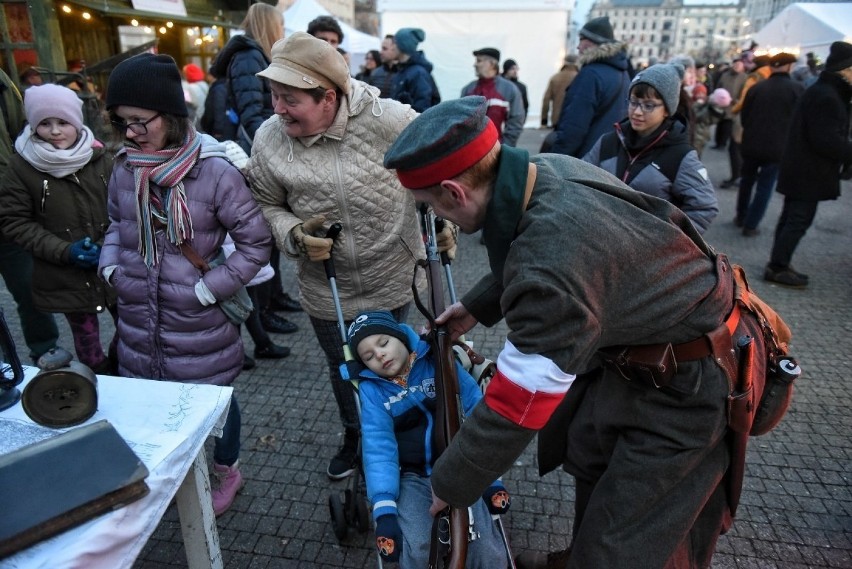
{"x":765,"y":116}
{"x":413,"y":83}
{"x":650,"y":455}
{"x":598,"y":96}
{"x":510,"y":72}
{"x":382,"y":76}
{"x":818,"y":147}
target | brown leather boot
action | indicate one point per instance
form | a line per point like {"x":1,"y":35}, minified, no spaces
{"x":539,"y":560}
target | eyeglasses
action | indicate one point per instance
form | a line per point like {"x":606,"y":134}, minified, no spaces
{"x":646,"y":107}
{"x":135,"y":127}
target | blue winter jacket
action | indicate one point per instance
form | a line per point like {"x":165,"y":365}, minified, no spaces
{"x":412,"y":83}
{"x":249,"y":95}
{"x":596,"y":100}
{"x":397,"y":422}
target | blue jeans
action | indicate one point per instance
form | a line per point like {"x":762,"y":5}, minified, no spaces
{"x":751,"y":211}
{"x":40,"y":331}
{"x":415,"y":497}
{"x":226,"y":449}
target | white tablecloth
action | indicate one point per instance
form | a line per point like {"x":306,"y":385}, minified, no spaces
{"x":166,"y":424}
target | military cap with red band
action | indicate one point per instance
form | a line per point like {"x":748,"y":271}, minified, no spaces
{"x":443,"y":142}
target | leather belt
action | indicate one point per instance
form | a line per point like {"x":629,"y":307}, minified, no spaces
{"x":701,"y":347}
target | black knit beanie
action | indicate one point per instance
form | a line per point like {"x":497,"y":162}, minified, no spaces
{"x":147,"y":81}
{"x":598,"y":30}
{"x":374,"y":322}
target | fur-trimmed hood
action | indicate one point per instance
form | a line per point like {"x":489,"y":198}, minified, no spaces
{"x":614,"y":53}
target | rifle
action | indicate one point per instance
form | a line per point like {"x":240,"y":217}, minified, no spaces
{"x":450,"y":527}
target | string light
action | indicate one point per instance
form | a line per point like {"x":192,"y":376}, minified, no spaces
{"x":66,"y":8}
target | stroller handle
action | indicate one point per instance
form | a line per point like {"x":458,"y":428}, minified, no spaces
{"x":332,"y":234}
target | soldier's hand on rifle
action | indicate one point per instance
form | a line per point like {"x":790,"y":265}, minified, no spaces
{"x":447,"y":239}
{"x":314,"y":248}
{"x":437,"y":506}
{"x":497,"y":498}
{"x":458,"y":320}
{"x":389,"y":537}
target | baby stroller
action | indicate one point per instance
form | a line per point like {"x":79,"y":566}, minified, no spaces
{"x":349,"y":509}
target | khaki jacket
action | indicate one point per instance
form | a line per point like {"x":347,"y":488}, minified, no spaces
{"x":339,"y":174}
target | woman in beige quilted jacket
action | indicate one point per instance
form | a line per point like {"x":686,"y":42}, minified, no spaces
{"x":318,"y":161}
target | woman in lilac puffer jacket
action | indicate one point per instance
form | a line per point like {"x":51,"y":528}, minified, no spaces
{"x":171,"y":185}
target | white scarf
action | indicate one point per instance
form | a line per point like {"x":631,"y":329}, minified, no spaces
{"x":45,"y":157}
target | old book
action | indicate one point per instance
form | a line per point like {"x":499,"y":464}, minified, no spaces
{"x":56,"y":484}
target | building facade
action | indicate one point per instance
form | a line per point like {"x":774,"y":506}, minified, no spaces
{"x":655,"y":30}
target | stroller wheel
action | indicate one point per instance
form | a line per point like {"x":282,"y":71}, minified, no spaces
{"x":338,"y":519}
{"x":362,"y":517}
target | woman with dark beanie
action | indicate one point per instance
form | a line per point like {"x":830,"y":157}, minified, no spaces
{"x":173,"y":187}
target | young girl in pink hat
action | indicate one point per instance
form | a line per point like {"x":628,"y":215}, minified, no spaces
{"x":53,"y":203}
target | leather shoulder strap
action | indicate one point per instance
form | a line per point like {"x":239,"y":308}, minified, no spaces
{"x":193,"y":257}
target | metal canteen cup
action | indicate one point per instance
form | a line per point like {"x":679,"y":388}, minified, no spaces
{"x":63,"y":394}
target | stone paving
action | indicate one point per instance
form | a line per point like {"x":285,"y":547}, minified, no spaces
{"x":796,"y":508}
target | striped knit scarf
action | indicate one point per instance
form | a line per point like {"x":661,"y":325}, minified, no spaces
{"x":166,"y":168}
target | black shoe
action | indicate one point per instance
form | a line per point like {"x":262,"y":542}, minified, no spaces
{"x":344,"y":462}
{"x":539,"y":560}
{"x":271,"y":322}
{"x":785,"y":277}
{"x":248,"y":363}
{"x":738,"y":221}
{"x":730,"y":183}
{"x":802,"y":275}
{"x":751,"y":232}
{"x":271,"y":352}
{"x":284,"y":302}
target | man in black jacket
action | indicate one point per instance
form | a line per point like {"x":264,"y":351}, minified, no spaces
{"x":765,"y":115}
{"x":818,"y":146}
{"x":382,"y":76}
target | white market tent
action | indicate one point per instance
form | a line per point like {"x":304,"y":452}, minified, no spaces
{"x":532,"y":32}
{"x":804,"y":27}
{"x":299,"y":15}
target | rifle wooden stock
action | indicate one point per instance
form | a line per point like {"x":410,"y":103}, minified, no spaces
{"x":448,"y":411}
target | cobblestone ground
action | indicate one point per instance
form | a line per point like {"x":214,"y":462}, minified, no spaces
{"x":796,"y":505}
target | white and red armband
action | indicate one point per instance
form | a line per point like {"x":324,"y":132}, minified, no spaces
{"x":527,"y":388}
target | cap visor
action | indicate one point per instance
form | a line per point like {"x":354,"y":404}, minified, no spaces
{"x":287,"y":76}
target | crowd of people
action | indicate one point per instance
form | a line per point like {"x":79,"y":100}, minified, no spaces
{"x":212,"y":183}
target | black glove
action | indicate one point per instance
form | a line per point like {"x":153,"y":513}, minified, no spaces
{"x":84,"y":253}
{"x":497,"y":499}
{"x":389,"y":537}
{"x":350,"y":370}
